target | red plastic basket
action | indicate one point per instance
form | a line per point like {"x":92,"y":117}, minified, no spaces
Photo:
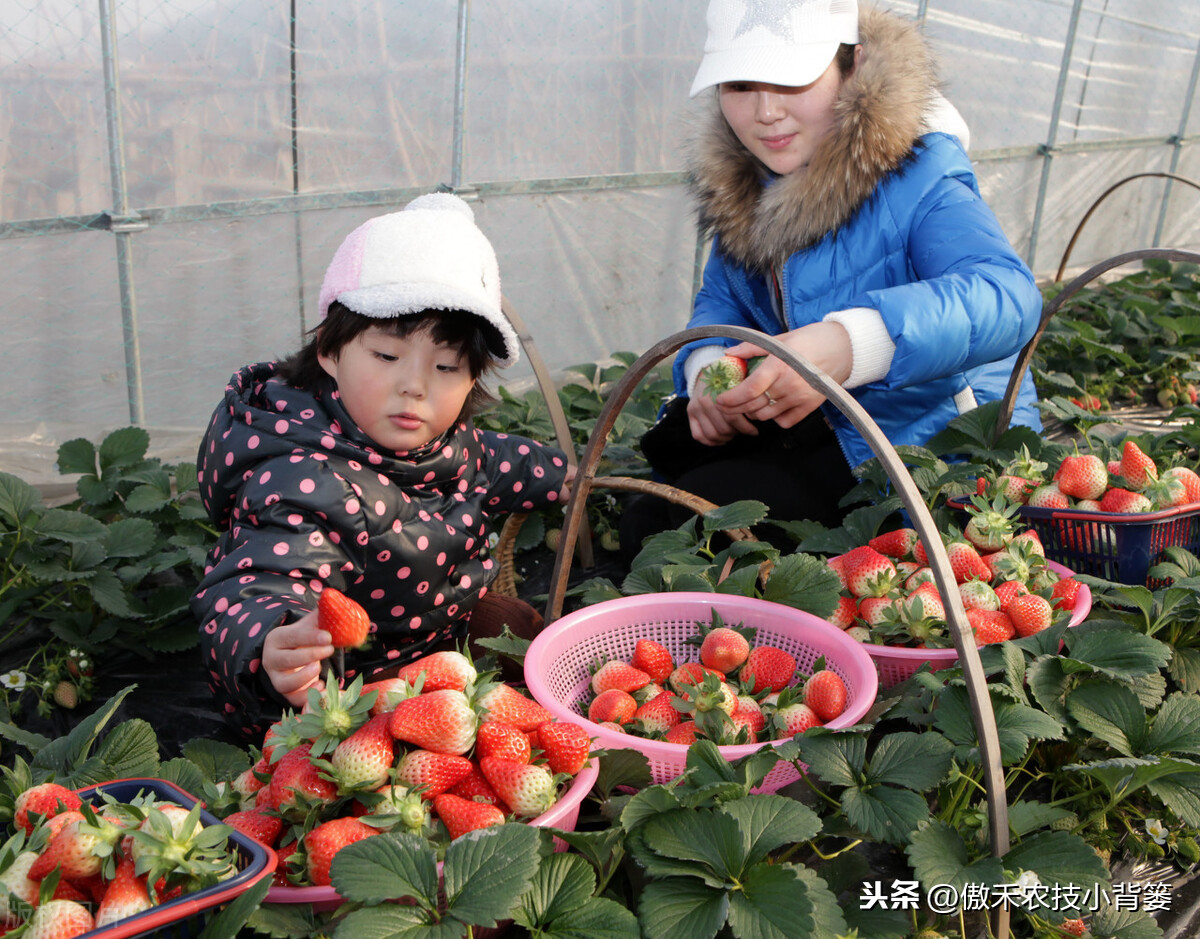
{"x":186,"y":916}
{"x":564,"y":815}
{"x":558,"y":660}
{"x":897,"y":663}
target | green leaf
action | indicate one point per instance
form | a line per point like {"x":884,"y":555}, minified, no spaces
{"x":563,"y":882}
{"x":69,"y":526}
{"x":487,"y":871}
{"x":146,"y":499}
{"x":1058,"y":857}
{"x":64,"y":755}
{"x":884,"y":813}
{"x":769,"y":821}
{"x":124,"y":447}
{"x":646,"y":805}
{"x":1111,"y":712}
{"x":17,"y":499}
{"x":707,"y":838}
{"x":1024,"y":817}
{"x":772,"y":904}
{"x":938,"y":855}
{"x":1176,"y":727}
{"x":735,"y":515}
{"x":130,"y":538}
{"x":681,"y":908}
{"x":915,"y":761}
{"x":215,"y":759}
{"x":1185,"y":669}
{"x":1016,"y":723}
{"x":837,"y":758}
{"x":76,"y":456}
{"x":395,"y":921}
{"x":1110,"y":922}
{"x":804,"y":582}
{"x":228,"y":922}
{"x":283,"y":920}
{"x":623,"y":766}
{"x":130,"y":750}
{"x":390,"y":865}
{"x":1180,"y":793}
{"x":1120,"y":653}
{"x":1049,"y":681}
{"x":111,"y":595}
{"x":184,"y":773}
{"x":1125,"y":775}
{"x":598,"y":918}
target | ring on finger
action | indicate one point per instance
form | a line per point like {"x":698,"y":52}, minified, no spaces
{"x":770,"y":400}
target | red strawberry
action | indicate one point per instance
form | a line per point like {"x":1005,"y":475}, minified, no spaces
{"x":389,"y":692}
{"x":875,"y":610}
{"x":990,"y":626}
{"x":1064,"y":592}
{"x":1033,"y":539}
{"x":565,"y":745}
{"x":1125,"y":502}
{"x":363,"y":759}
{"x":1082,"y":477}
{"x":1030,"y":614}
{"x":1073,"y":927}
{"x":263,"y":828}
{"x":654,"y":659}
{"x":617,"y":674}
{"x":503,"y":741}
{"x":446,"y":669}
{"x":794,"y":719}
{"x":474,"y":786}
{"x":461,"y":815}
{"x":296,"y":782}
{"x":504,"y":703}
{"x":613,"y":705}
{"x":846,"y":614}
{"x":690,"y":673}
{"x":749,"y":715}
{"x":59,"y":919}
{"x":1048,"y":496}
{"x":528,"y":790}
{"x":283,"y":854}
{"x":868,"y":572}
{"x":73,"y":850}
{"x":1014,"y":488}
{"x":838,"y":566}
{"x":442,"y":721}
{"x":251,"y":780}
{"x":436,"y":771}
{"x":658,"y":715}
{"x":724,"y":649}
{"x":768,"y":667}
{"x":895,"y":544}
{"x":825,"y":693}
{"x":1190,"y":480}
{"x":1009,"y":589}
{"x":966,"y":562}
{"x":932,"y":606}
{"x":323,"y":843}
{"x":344,"y":619}
{"x":683,"y":733}
{"x":45,"y":800}
{"x":125,"y":896}
{"x":724,"y":373}
{"x":1137,"y":467}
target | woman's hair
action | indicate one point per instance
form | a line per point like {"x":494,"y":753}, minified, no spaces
{"x":341,"y":325}
{"x":845,"y":58}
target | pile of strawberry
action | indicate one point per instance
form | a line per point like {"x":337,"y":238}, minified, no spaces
{"x":1087,"y":482}
{"x":889,"y":596}
{"x":71,"y":866}
{"x":735,"y":694}
{"x":438,"y":750}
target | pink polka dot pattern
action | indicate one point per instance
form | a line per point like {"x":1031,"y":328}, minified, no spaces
{"x":306,"y":500}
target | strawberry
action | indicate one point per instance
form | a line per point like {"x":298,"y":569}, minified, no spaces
{"x":1033,"y":539}
{"x":838,"y":566}
{"x":1083,"y":476}
{"x":1030,"y":613}
{"x":528,"y":790}
{"x":474,"y":786}
{"x":389,"y":692}
{"x":868,"y":572}
{"x":297,"y":783}
{"x":683,"y":733}
{"x":1190,"y":480}
{"x":658,"y":715}
{"x":1124,"y":501}
{"x":1013,"y":488}
{"x":73,"y":850}
{"x":979,"y":595}
{"x":966,"y":563}
{"x":442,"y":721}
{"x":1007,"y":590}
{"x":284,"y":855}
{"x":825,"y":693}
{"x":252,"y":780}
{"x":59,"y":919}
{"x":895,"y":544}
{"x":991,"y":524}
{"x":722,"y":374}
{"x":990,"y":626}
{"x":846,"y":614}
{"x":437,"y":772}
{"x":503,"y":741}
{"x":504,"y":703}
{"x":44,"y":800}
{"x":565,"y":745}
{"x":875,"y":610}
{"x":617,"y":674}
{"x":753,"y":722}
{"x":323,"y":843}
{"x":125,"y":896}
{"x":14,"y":880}
{"x":393,"y":801}
{"x":1048,"y":496}
{"x":794,"y":719}
{"x":1072,"y":927}
{"x":654,"y":659}
{"x":1137,"y":467}
{"x":461,"y":815}
{"x":263,"y":828}
{"x":613,"y":705}
{"x":930,"y":603}
{"x":1063,"y":593}
{"x":343,"y":618}
{"x":767,"y":667}
{"x":690,"y":673}
{"x":363,"y":759}
{"x":442,"y":670}
{"x":724,"y":649}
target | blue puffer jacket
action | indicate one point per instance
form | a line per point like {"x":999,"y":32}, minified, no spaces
{"x":915,"y":242}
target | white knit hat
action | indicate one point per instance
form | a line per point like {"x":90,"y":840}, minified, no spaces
{"x":428,"y":256}
{"x":780,"y":42}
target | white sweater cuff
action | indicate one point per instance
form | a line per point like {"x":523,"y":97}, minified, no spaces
{"x":870,"y":345}
{"x":695,"y":364}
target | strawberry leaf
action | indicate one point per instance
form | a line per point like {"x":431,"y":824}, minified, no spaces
{"x":682,"y":908}
{"x":915,"y":761}
{"x":773,"y":903}
{"x":385,"y":866}
{"x":487,"y":870}
{"x":938,"y":855}
{"x":884,"y":813}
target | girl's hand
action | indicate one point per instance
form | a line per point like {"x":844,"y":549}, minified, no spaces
{"x":713,"y":425}
{"x":565,"y":492}
{"x":292,"y":656}
{"x":774,"y":390}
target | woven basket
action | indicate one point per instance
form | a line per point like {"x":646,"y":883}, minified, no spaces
{"x":558,"y":676}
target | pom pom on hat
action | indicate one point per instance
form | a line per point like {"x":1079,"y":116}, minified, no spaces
{"x":428,"y":256}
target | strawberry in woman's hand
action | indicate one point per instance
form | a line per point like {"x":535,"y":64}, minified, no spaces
{"x":723,"y":374}
{"x":344,"y":619}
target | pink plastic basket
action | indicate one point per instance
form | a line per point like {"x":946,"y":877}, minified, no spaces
{"x":557,"y":662}
{"x":564,"y":815}
{"x":896,"y":663}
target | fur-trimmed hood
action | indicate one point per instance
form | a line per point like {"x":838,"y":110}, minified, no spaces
{"x":880,"y":111}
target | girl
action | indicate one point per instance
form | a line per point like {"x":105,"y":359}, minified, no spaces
{"x":848,"y":224}
{"x":354,"y":464}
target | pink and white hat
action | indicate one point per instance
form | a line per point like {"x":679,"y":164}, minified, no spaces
{"x":780,"y":42}
{"x":428,"y":256}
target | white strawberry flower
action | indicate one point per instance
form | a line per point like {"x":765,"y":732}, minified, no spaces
{"x":1156,"y":830}
{"x":13,"y":680}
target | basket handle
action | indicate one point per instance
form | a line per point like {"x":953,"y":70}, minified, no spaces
{"x":964,"y":639}
{"x":1009,"y":401}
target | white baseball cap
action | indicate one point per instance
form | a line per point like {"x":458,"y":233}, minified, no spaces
{"x":781,"y":42}
{"x":428,"y":256}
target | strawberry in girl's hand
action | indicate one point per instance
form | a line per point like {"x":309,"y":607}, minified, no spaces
{"x":724,"y":373}
{"x":825,"y":693}
{"x":344,"y":619}
{"x":461,"y":815}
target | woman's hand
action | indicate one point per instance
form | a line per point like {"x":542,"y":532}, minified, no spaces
{"x":713,"y":425}
{"x":774,"y":390}
{"x":565,"y":492}
{"x":292,"y":656}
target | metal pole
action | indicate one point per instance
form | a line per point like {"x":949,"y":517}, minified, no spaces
{"x":1052,"y":137}
{"x":121,"y":223}
{"x":294,"y":118}
{"x":1178,"y":146}
{"x":460,"y":96}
